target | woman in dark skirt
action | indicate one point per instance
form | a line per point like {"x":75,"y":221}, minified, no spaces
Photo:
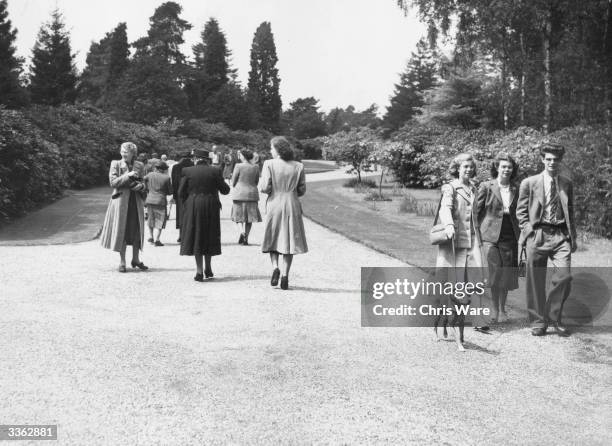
{"x":245,"y":209}
{"x":201,"y":225}
{"x":500,"y":231}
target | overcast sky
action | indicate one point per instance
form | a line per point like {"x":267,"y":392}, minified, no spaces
{"x":342,"y":52}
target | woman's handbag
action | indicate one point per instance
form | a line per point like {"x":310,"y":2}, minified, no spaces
{"x":522,"y":266}
{"x":437,"y":234}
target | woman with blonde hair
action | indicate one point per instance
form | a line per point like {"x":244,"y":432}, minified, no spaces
{"x":283,"y":179}
{"x":124,"y":220}
{"x":461,"y":257}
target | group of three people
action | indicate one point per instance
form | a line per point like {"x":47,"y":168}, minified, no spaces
{"x":486,"y":227}
{"x":199,"y":206}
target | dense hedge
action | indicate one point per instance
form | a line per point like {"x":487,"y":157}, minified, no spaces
{"x":426,"y":152}
{"x":31,"y":170}
{"x":44,"y":150}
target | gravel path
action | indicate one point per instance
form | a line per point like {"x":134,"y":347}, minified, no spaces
{"x":148,"y":358}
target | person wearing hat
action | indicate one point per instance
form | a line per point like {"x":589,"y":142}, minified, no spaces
{"x":175,"y":177}
{"x":158,"y":185}
{"x":201,"y":220}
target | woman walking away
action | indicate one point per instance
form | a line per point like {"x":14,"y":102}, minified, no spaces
{"x":284,"y":181}
{"x":461,"y":257}
{"x":229,"y":162}
{"x":124,"y":220}
{"x":499,"y":228}
{"x":245,"y":209}
{"x":201,"y":224}
{"x":158,"y":185}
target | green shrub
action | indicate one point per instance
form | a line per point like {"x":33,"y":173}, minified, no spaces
{"x":428,"y":151}
{"x":47,"y":149}
{"x":31,"y":168}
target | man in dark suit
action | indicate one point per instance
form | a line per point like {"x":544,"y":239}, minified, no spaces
{"x":175,"y":176}
{"x":545,"y":212}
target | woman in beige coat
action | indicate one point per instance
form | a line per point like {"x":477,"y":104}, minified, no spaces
{"x":458,"y":211}
{"x":124,"y":220}
{"x":284,"y":181}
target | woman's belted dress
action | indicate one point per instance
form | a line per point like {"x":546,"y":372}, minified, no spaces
{"x":284,"y":182}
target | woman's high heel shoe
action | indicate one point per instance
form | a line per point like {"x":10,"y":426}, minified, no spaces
{"x":208,"y":273}
{"x":199,"y":277}
{"x":284,"y":283}
{"x":139,"y":265}
{"x":275,"y":276}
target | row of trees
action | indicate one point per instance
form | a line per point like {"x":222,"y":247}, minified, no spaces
{"x":157,"y":81}
{"x":539,"y":63}
{"x":544,"y":64}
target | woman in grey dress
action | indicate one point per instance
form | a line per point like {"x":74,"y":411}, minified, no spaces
{"x":283,"y":179}
{"x":245,"y":209}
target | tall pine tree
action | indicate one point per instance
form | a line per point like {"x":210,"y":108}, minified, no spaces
{"x":210,"y":74}
{"x":212,"y":55}
{"x":119,"y":53}
{"x":11,"y":92}
{"x":263,"y":95}
{"x":151,"y":87}
{"x":106,"y":62}
{"x":53,"y":78}
{"x":420,"y":75}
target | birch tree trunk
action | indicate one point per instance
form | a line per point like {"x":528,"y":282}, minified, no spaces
{"x":523,"y":78}
{"x":546,"y":33}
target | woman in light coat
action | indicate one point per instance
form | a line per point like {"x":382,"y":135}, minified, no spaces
{"x":461,"y":258}
{"x":284,"y":181}
{"x":124,"y":220}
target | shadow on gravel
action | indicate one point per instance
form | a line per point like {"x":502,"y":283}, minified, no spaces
{"x":480,"y":349}
{"x":235,"y":278}
{"x":324,"y":290}
{"x":593,"y":352}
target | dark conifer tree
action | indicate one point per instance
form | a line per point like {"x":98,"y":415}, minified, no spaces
{"x":212,"y":56}
{"x":95,"y":74}
{"x":151,"y":87}
{"x":210,"y":74}
{"x":165,"y":35}
{"x":119,"y":53}
{"x":53,"y":78}
{"x":106,"y":61}
{"x":420,"y":75}
{"x":11,"y":92}
{"x":263,"y":87}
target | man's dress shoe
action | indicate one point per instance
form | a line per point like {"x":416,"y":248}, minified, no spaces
{"x":562,"y":330}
